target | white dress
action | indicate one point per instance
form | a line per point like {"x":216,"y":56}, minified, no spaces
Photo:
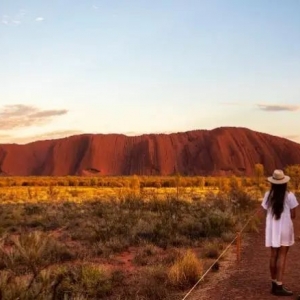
{"x":280,"y":232}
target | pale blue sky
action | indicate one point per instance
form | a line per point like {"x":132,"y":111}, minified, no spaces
{"x":145,"y":66}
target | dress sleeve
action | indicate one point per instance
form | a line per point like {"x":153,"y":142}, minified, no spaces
{"x":292,"y":201}
{"x":264,"y":202}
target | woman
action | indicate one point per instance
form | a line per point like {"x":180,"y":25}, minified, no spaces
{"x":280,"y":207}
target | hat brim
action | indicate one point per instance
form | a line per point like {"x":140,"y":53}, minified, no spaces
{"x":280,"y":181}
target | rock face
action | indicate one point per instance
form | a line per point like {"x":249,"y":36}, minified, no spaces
{"x":221,"y":151}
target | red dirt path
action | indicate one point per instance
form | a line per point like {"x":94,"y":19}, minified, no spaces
{"x":250,"y":278}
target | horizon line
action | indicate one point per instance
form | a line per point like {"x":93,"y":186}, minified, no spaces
{"x":136,"y":134}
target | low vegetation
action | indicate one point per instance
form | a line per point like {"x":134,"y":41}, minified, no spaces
{"x":72,"y":243}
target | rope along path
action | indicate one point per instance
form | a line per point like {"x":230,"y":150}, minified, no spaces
{"x":221,"y":255}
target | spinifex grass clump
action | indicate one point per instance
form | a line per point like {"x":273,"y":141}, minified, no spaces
{"x":186,"y":270}
{"x":31,"y":252}
{"x":85,"y":280}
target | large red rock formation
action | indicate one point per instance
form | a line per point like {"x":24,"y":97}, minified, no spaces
{"x":201,"y":152}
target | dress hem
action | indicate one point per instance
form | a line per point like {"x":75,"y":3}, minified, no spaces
{"x":269,"y":246}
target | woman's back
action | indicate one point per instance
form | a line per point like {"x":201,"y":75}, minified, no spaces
{"x":289,"y":203}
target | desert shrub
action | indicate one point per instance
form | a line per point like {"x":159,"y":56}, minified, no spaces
{"x":143,"y":229}
{"x":186,"y":270}
{"x":90,"y":281}
{"x":192,"y":228}
{"x":153,"y":283}
{"x":253,"y":225}
{"x":212,"y":249}
{"x":179,"y":240}
{"x":107,"y":248}
{"x":33,"y":209}
{"x":217,"y":222}
{"x":52,"y":192}
{"x":117,"y":244}
{"x":60,"y":252}
{"x":32,"y":252}
{"x":220,"y":202}
{"x":142,"y":257}
{"x":242,"y":201}
{"x":25,"y":287}
{"x":170,"y":257}
{"x":12,"y":287}
{"x":227,"y":236}
{"x":83,"y":281}
{"x":118,"y":277}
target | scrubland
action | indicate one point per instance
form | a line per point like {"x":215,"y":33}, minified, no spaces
{"x":116,"y":238}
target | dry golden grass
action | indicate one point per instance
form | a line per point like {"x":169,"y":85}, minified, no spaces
{"x":186,"y":270}
{"x":21,"y":194}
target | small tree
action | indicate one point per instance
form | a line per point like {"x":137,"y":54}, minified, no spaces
{"x":235,"y":183}
{"x":200,"y":181}
{"x":178,"y":183}
{"x":135,"y":182}
{"x":223,"y":184}
{"x":259,"y":172}
{"x":294,"y":172}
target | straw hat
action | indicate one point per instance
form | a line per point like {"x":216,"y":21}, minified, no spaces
{"x":278,"y":177}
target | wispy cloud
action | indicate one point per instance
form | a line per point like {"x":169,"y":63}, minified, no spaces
{"x":20,"y":116}
{"x":95,"y":7}
{"x":49,"y":113}
{"x":278,"y":107}
{"x":265,"y":107}
{"x":39,"y":19}
{"x":15,"y":20}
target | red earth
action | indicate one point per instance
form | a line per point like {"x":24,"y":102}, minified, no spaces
{"x":221,"y":151}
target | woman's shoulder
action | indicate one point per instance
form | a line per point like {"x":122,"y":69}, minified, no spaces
{"x":290,"y":194}
{"x":291,"y":199}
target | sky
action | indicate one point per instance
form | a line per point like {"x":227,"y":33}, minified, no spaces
{"x":133,"y":67}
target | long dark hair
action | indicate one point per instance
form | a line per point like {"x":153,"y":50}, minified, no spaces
{"x":276,"y":199}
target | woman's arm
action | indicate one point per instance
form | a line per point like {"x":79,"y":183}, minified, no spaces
{"x":293,"y":203}
{"x":293,"y":213}
{"x":262,"y":212}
